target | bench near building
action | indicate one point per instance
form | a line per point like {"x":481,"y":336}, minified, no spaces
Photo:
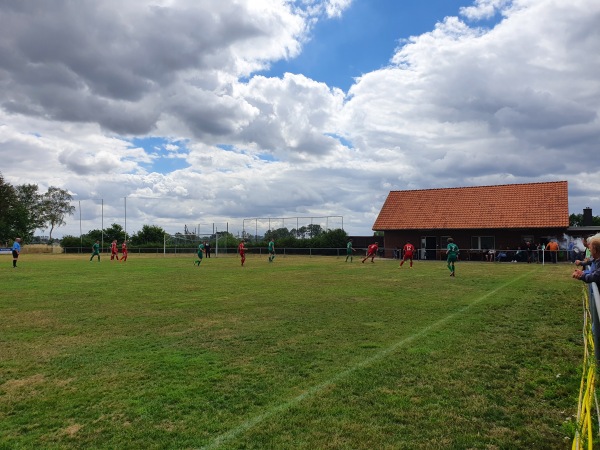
{"x":478,"y":218}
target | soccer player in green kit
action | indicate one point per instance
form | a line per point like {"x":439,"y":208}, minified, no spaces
{"x":200,"y":254}
{"x":452,"y":252}
{"x":349,"y":250}
{"x":271,"y":250}
{"x":96,"y":250}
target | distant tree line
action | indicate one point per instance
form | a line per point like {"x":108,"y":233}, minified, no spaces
{"x":151,"y":236}
{"x":576,"y":220}
{"x":23,"y":209}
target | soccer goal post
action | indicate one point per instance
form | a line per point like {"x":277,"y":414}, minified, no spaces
{"x":181,"y":243}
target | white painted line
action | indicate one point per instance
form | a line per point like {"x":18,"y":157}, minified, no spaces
{"x":246,"y":425}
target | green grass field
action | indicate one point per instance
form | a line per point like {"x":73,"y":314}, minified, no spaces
{"x":303,"y":353}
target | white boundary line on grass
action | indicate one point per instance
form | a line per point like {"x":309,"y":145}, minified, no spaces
{"x":244,"y":426}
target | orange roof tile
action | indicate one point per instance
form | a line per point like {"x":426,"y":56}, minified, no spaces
{"x":531,"y":205}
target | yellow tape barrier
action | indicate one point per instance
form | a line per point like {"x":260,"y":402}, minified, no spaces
{"x":583,"y":435}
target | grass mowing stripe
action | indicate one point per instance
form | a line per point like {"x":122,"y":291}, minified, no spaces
{"x":250,"y":423}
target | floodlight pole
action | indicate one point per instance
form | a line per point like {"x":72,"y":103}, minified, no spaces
{"x":125,"y":201}
{"x":80,"y":236}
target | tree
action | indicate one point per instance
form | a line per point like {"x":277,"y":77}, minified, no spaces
{"x":31,"y":200}
{"x":56,"y":205}
{"x":332,"y":239}
{"x":314,"y":230}
{"x":8,"y":200}
{"x":115,"y":231}
{"x":300,"y":233}
{"x":576,"y":220}
{"x":278,"y":234}
{"x":149,"y":234}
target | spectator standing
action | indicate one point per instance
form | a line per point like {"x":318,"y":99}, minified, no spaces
{"x":552,"y":247}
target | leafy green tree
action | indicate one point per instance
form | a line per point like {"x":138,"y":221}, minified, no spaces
{"x":115,"y":231}
{"x":314,"y":230}
{"x":278,"y":234}
{"x":31,"y":200}
{"x":331,"y":239}
{"x":56,"y":205}
{"x":300,"y":233}
{"x":8,"y":200}
{"x":576,"y":220}
{"x":95,"y":235}
{"x":226,"y":240}
{"x":74,"y":242}
{"x":149,"y":234}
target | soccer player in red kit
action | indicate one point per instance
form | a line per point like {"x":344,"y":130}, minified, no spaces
{"x":408,"y":251}
{"x":114,"y":251}
{"x":242,"y":251}
{"x":371,"y":252}
{"x":124,"y":251}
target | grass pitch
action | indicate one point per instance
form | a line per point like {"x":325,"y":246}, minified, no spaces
{"x":301,"y":353}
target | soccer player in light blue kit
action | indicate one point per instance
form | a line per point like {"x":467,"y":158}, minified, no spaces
{"x":16,"y":251}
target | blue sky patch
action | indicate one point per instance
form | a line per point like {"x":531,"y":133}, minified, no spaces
{"x":168,"y":155}
{"x":345,"y":142}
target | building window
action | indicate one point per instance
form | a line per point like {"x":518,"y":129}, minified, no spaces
{"x":483,"y":242}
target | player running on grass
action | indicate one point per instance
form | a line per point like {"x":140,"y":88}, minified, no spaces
{"x":371,"y":252}
{"x":452,"y":252}
{"x":271,"y":250}
{"x":408,"y":251}
{"x":242,"y":251}
{"x":96,"y":250}
{"x":200,"y":254}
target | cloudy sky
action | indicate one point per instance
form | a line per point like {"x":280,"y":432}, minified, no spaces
{"x":205,"y":112}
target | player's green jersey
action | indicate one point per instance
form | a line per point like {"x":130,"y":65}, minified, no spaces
{"x":96,"y":248}
{"x":452,"y":250}
{"x":200,"y":250}
{"x":349,"y":248}
{"x":271,"y":247}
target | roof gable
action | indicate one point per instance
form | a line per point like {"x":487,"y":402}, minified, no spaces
{"x":531,"y":205}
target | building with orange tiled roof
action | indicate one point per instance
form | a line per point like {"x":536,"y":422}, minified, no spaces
{"x":478,"y":217}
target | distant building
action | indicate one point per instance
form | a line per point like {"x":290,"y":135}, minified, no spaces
{"x":478,"y":218}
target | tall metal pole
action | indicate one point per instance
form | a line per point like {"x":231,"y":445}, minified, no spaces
{"x":102,"y":224}
{"x":125,"y":198}
{"x":80,"y":236}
